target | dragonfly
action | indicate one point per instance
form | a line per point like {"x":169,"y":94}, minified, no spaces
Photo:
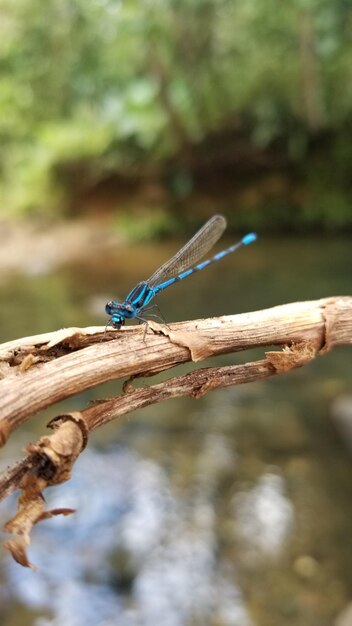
{"x":180,"y":266}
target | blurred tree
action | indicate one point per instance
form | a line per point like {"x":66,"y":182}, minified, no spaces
{"x":117,"y":86}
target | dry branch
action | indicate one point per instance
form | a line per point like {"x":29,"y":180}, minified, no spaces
{"x":39,"y":371}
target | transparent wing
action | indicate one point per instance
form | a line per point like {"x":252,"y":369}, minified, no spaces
{"x":191,"y":252}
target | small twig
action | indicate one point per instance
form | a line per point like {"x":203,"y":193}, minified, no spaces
{"x":196,"y":384}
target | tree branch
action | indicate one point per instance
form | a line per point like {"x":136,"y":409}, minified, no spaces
{"x":41,"y":370}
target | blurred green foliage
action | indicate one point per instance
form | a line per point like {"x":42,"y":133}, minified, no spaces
{"x":106,"y":86}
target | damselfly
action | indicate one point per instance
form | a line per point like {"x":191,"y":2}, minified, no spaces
{"x":177,"y":268}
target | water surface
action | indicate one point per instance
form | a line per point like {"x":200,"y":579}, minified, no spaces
{"x":233,"y":510}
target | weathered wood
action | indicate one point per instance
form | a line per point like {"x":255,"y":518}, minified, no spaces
{"x":42,"y":370}
{"x":39,"y":371}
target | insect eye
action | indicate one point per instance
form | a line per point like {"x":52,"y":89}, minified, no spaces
{"x":109,"y":308}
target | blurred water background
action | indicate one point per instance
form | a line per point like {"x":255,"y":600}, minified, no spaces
{"x":234,"y":509}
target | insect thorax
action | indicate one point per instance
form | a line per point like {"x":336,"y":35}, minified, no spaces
{"x":139,"y":296}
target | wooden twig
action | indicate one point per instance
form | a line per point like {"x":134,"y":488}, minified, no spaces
{"x":39,"y":371}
